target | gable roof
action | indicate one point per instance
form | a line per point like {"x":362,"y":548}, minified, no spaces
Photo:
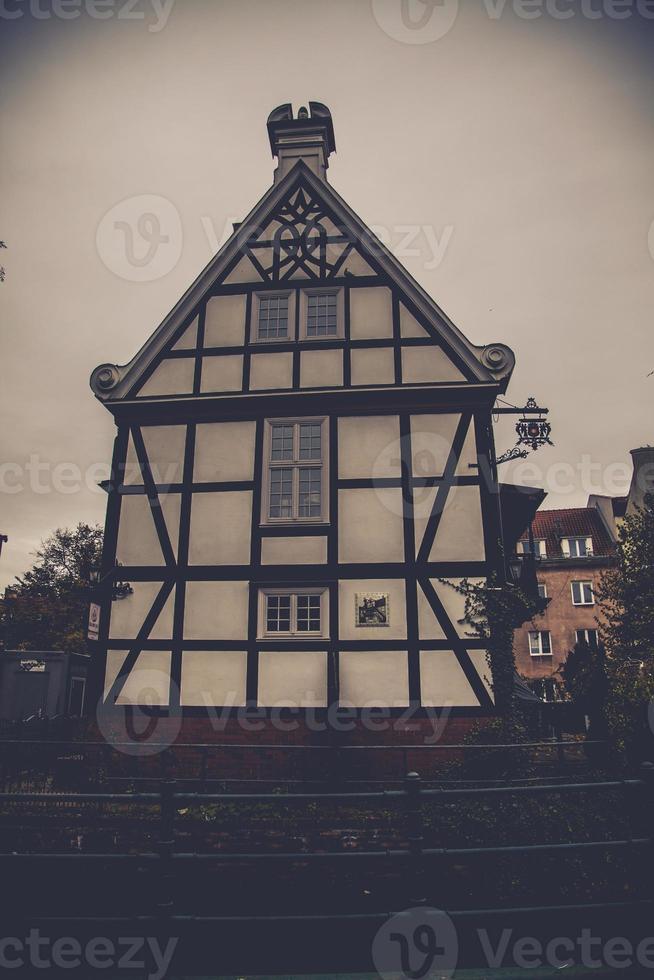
{"x":492,"y":363}
{"x":571,"y":522}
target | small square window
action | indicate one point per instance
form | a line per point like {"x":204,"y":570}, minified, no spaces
{"x":293,"y":613}
{"x":577,"y":547}
{"x":542,"y":590}
{"x":588,"y":636}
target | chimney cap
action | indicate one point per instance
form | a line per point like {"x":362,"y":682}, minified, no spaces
{"x":316,"y":119}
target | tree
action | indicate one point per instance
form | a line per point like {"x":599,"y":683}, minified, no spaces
{"x":626,"y":602}
{"x":584,"y":677}
{"x":494,"y":609}
{"x":47,"y":608}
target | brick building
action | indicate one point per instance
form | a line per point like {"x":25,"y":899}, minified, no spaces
{"x":572,"y":547}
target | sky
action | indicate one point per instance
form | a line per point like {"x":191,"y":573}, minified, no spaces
{"x":503,"y":149}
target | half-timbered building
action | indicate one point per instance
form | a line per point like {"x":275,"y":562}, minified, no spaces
{"x":303,"y":459}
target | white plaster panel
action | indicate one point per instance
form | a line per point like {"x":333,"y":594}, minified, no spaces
{"x":128,"y":614}
{"x":374,"y":678}
{"x":224,"y":451}
{"x":369,"y":446}
{"x":216,"y":611}
{"x":431,"y":441}
{"x":148,"y":682}
{"x":460,"y":534}
{"x":213,"y":677}
{"x":409,"y":326}
{"x":173,"y":376}
{"x":422,"y":365}
{"x":269,"y":371}
{"x":443,"y":682}
{"x":292,"y":679}
{"x":164,"y":445}
{"x":243,"y":271}
{"x":356,"y":265}
{"x":321,"y":368}
{"x":372,"y":366}
{"x":371,"y":313}
{"x":224,"y":324}
{"x":138,"y":541}
{"x":370,"y":526}
{"x":309,"y":550}
{"x":222,"y":372}
{"x":348,"y":589}
{"x":189,"y":339}
{"x":220,"y":528}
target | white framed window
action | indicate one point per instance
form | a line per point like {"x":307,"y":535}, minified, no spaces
{"x":577,"y":547}
{"x":540,"y":549}
{"x":274,"y":316}
{"x":295,"y":612}
{"x":321,"y":314}
{"x":582,"y":594}
{"x":540,"y":643}
{"x":588,"y":636}
{"x":542,"y":590}
{"x":295,"y":471}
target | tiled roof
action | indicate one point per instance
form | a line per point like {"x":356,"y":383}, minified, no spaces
{"x":571,"y":522}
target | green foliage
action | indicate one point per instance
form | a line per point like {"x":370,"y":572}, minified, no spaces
{"x":47,"y":608}
{"x":493,"y":610}
{"x":626,"y":602}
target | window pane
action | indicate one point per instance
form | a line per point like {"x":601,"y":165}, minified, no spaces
{"x":310,"y":491}
{"x":545,"y":641}
{"x":278,"y":613}
{"x":281,"y":491}
{"x":308,"y":613}
{"x":533,"y":643}
{"x":321,"y":315}
{"x":273,"y":317}
{"x":542,"y":591}
{"x":310,"y":440}
{"x":281,"y":443}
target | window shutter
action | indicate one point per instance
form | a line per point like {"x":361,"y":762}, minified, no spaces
{"x":589,"y":546}
{"x":565,"y":547}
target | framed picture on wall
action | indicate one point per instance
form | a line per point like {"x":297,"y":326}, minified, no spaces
{"x":371,"y":609}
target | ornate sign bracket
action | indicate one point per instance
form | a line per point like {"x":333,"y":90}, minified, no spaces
{"x":532,"y":428}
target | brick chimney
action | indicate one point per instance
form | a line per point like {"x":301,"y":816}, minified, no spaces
{"x":308,"y":137}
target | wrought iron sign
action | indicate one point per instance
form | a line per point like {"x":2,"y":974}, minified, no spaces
{"x":533,"y":430}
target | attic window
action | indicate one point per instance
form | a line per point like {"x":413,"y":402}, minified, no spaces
{"x":577,"y":547}
{"x":322,"y":317}
{"x":273,"y":317}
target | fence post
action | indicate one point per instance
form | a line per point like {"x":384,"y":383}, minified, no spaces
{"x":166,"y":846}
{"x":416,"y":894}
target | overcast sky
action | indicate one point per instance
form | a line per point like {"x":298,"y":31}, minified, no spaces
{"x":509,"y":159}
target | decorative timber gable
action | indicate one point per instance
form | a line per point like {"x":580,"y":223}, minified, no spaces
{"x":304,"y":455}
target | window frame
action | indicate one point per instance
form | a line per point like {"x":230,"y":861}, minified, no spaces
{"x":305,"y":292}
{"x":543,"y":586}
{"x":293,"y":591}
{"x":296,"y":464}
{"x":585,"y":639}
{"x":255,"y":317}
{"x":568,"y":539}
{"x":540,"y":652}
{"x":581,"y":583}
